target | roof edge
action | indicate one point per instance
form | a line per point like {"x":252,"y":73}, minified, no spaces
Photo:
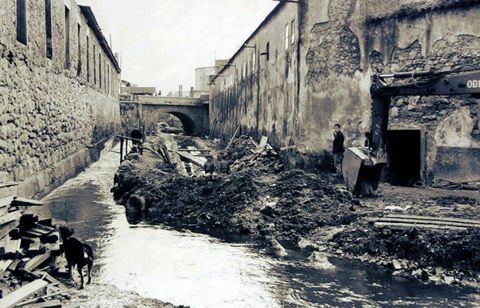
{"x":265,"y":20}
{"x":93,"y":24}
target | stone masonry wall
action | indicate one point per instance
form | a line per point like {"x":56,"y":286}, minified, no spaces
{"x":49,"y":114}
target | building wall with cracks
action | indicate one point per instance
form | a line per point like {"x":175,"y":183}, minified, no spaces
{"x":342,"y":43}
{"x":55,"y":101}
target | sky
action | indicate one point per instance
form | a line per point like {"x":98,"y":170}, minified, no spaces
{"x":162,"y":41}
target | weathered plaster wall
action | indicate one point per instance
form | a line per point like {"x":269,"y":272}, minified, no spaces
{"x":49,"y":114}
{"x":439,"y":39}
{"x":256,"y":93}
{"x":342,"y":44}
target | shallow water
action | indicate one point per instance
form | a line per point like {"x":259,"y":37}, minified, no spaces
{"x":200,"y":271}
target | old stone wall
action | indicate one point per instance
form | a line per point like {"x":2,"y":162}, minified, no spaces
{"x":342,"y":43}
{"x":52,"y":113}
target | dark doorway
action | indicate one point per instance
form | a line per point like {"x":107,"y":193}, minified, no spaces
{"x":404,"y":157}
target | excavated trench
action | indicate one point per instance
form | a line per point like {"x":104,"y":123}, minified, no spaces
{"x":200,"y":271}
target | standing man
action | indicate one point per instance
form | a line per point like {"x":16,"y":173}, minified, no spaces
{"x":338,"y":149}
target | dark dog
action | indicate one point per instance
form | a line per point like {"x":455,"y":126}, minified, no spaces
{"x":77,"y":253}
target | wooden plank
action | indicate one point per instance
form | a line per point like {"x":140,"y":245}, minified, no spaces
{"x":196,"y":160}
{"x":22,"y":293}
{"x":402,"y":226}
{"x":53,"y":280}
{"x":6,"y":228}
{"x":4,"y":264}
{"x":5,"y":205}
{"x":35,"y":245}
{"x":263,"y":143}
{"x":8,"y":184}
{"x":233,"y":137}
{"x":429,"y":222}
{"x":12,"y":246}
{"x":469,"y":221}
{"x":47,"y":304}
{"x":10,"y":217}
{"x":193,"y":150}
{"x":36,"y":261}
{"x":26,"y":202}
{"x":14,"y":265}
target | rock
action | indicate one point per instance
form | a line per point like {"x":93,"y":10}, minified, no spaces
{"x":274,"y":248}
{"x":305,"y":244}
{"x":136,"y":204}
{"x":396,"y":265}
{"x":449,"y":279}
{"x":320,"y":260}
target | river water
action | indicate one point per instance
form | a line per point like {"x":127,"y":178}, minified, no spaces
{"x":200,"y":271}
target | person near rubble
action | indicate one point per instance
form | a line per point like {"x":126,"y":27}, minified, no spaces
{"x":224,"y":165}
{"x":368,"y":140}
{"x":338,"y":148}
{"x":209,"y":166}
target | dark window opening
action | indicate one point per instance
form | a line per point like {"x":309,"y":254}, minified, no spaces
{"x":79,"y":50}
{"x":404,"y":157}
{"x":100,"y":70}
{"x":268,"y":51}
{"x":48,"y":28}
{"x":22,"y":21}
{"x":88,"y":59}
{"x":67,"y":38}
{"x":94,"y":66}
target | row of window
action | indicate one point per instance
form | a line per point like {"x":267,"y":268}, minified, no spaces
{"x":104,"y":80}
{"x":289,"y":41}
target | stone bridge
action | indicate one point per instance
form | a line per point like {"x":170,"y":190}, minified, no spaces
{"x":148,"y":110}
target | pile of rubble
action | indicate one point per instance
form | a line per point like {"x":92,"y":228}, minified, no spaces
{"x":245,"y":153}
{"x":29,"y":249}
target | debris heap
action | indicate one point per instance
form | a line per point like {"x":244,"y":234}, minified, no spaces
{"x":29,"y":249}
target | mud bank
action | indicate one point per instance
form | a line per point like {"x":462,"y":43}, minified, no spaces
{"x":310,"y":212}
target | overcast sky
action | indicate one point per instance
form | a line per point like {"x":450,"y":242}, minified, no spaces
{"x":163,"y":41}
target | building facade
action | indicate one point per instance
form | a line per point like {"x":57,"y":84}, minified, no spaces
{"x":59,"y":88}
{"x":308,"y":66}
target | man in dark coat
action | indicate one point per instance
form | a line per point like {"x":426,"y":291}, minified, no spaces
{"x":338,"y":149}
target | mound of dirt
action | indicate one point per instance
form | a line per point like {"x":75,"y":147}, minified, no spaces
{"x":249,"y":202}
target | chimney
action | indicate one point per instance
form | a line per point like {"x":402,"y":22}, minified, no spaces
{"x":180,"y":91}
{"x":191,"y":91}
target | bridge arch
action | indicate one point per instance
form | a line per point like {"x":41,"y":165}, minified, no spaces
{"x":194,"y":117}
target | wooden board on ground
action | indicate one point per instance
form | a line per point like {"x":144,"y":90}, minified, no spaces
{"x":402,"y":222}
{"x":5,"y":205}
{"x":427,"y":222}
{"x":53,"y":280}
{"x":10,"y":217}
{"x":47,"y":304}
{"x":263,"y":144}
{"x":4,"y":264}
{"x":23,"y":292}
{"x":431,"y":218}
{"x":12,"y":246}
{"x":36,"y":261}
{"x":196,"y":160}
{"x":405,"y":226}
{"x":26,"y":202}
{"x":6,"y":228}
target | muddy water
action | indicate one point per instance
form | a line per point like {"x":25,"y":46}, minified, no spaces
{"x":200,"y":271}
